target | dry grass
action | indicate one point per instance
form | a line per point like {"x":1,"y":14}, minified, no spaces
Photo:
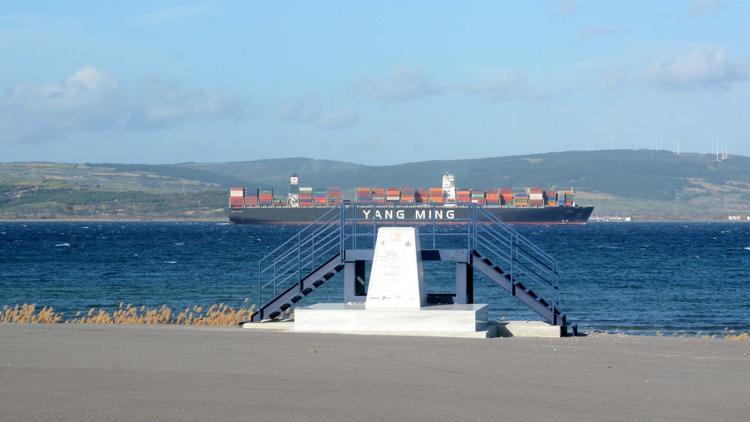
{"x":216,"y":315}
{"x":27,"y":313}
{"x":738,"y":337}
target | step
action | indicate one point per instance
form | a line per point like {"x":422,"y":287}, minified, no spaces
{"x":318,"y":283}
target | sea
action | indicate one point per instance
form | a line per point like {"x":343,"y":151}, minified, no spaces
{"x":634,"y":278}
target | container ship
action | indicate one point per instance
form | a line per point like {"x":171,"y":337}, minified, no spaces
{"x":304,"y":205}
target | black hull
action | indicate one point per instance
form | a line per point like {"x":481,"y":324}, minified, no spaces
{"x":546,"y":215}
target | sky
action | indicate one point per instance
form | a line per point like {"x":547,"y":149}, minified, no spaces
{"x":378,"y":82}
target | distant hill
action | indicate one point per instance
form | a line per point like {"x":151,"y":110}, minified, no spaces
{"x":643,"y":183}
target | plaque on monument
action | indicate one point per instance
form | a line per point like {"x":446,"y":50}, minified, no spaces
{"x":396,"y":275}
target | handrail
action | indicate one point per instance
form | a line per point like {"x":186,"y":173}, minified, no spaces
{"x":343,"y":227}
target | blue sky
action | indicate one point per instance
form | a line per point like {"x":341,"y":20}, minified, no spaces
{"x":370,"y":82}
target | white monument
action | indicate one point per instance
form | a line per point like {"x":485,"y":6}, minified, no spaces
{"x":396,"y":278}
{"x":396,"y":299}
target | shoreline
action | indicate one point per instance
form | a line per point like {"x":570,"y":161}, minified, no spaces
{"x":117,"y":372}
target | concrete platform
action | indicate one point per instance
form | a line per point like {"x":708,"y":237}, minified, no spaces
{"x":528,"y":329}
{"x":438,"y":321}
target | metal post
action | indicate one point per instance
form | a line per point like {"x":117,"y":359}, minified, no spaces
{"x":299,"y":260}
{"x":341,"y":231}
{"x":354,"y":280}
{"x":476,"y":225}
{"x":464,"y":283}
{"x":354,"y":226}
{"x":260,"y":284}
{"x":512,"y":258}
{"x":434,"y":226}
{"x":469,"y":224}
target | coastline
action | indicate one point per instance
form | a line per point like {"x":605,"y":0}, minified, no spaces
{"x":117,"y":372}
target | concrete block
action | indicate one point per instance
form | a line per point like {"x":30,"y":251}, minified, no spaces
{"x":468,"y":320}
{"x":528,"y":329}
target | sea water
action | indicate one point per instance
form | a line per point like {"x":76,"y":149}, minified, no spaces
{"x":645,"y":278}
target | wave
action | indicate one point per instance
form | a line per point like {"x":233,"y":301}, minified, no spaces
{"x":63,"y":245}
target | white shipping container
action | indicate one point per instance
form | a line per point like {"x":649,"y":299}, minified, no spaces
{"x":535,"y":196}
{"x":237,"y":192}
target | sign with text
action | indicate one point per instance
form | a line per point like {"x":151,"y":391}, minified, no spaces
{"x":396,"y":278}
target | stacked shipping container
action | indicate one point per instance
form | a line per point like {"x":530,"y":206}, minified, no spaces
{"x":334,"y":196}
{"x":236,"y":197}
{"x":393,"y":195}
{"x":492,"y":197}
{"x":536,"y":197}
{"x":506,"y":196}
{"x":436,"y":195}
{"x":477,"y":197}
{"x":306,"y":196}
{"x":378,"y":196}
{"x":265,"y":197}
{"x":407,"y":195}
{"x":521,"y":200}
{"x":551,"y":198}
{"x":309,"y":197}
{"x":364,"y":195}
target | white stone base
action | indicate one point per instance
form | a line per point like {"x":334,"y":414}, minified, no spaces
{"x":528,"y":329}
{"x":439,"y":320}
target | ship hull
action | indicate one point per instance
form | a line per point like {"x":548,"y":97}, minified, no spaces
{"x":288,"y":215}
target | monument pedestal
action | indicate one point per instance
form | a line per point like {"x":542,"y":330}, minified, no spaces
{"x":396,"y":299}
{"x":439,"y":320}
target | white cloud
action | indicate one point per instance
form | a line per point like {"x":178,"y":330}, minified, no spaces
{"x":312,"y":111}
{"x":94,"y":100}
{"x":402,"y":84}
{"x":702,"y":68}
{"x":338,"y":119}
{"x":500,"y":85}
{"x":166,"y":103}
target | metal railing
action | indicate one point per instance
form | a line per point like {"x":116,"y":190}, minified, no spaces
{"x":354,"y":226}
{"x":516,"y":255}
{"x":301,"y":254}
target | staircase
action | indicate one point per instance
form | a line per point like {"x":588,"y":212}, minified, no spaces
{"x":300,"y":265}
{"x":316,"y":253}
{"x":509,"y":259}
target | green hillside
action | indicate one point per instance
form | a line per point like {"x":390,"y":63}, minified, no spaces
{"x":641,"y":183}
